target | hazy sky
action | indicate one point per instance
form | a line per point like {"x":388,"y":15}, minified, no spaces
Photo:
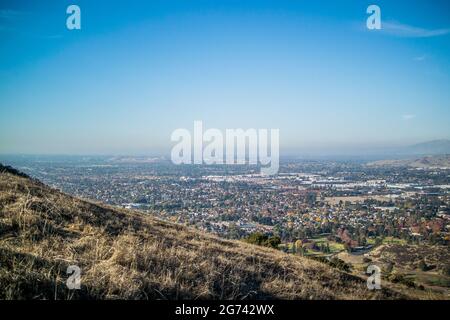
{"x":137,"y":70}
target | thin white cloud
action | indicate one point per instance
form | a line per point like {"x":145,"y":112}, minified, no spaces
{"x":408,"y":116}
{"x":404,"y":30}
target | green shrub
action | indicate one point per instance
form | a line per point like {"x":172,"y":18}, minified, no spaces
{"x":263,"y":240}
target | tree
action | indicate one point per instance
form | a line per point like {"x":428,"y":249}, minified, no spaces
{"x":298,"y":246}
{"x":263,"y":240}
{"x":256,"y":238}
{"x":273,"y":242}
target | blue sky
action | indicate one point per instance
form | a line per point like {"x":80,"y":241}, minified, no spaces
{"x":137,"y":70}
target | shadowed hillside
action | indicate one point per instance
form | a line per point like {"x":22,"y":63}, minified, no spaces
{"x":129,"y":255}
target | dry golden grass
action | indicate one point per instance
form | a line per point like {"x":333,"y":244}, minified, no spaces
{"x":129,"y":255}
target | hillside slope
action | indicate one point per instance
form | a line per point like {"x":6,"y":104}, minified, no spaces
{"x":128,"y":255}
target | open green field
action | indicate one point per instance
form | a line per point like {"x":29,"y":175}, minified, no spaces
{"x":335,"y":247}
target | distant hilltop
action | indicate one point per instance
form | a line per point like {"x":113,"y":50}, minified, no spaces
{"x":368,"y":152}
{"x":429,"y":148}
{"x":437,"y":161}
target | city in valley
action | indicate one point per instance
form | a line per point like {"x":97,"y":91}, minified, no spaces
{"x":352,"y":213}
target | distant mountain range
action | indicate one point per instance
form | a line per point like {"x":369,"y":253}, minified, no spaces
{"x":436,"y":161}
{"x":428,"y":148}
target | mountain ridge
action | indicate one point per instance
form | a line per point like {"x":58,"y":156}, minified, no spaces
{"x":432,"y":147}
{"x":436,"y":161}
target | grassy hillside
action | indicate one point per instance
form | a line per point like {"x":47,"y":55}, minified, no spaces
{"x":129,"y":255}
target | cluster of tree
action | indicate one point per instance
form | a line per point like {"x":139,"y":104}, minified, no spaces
{"x":268,"y":221}
{"x":263,"y":240}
